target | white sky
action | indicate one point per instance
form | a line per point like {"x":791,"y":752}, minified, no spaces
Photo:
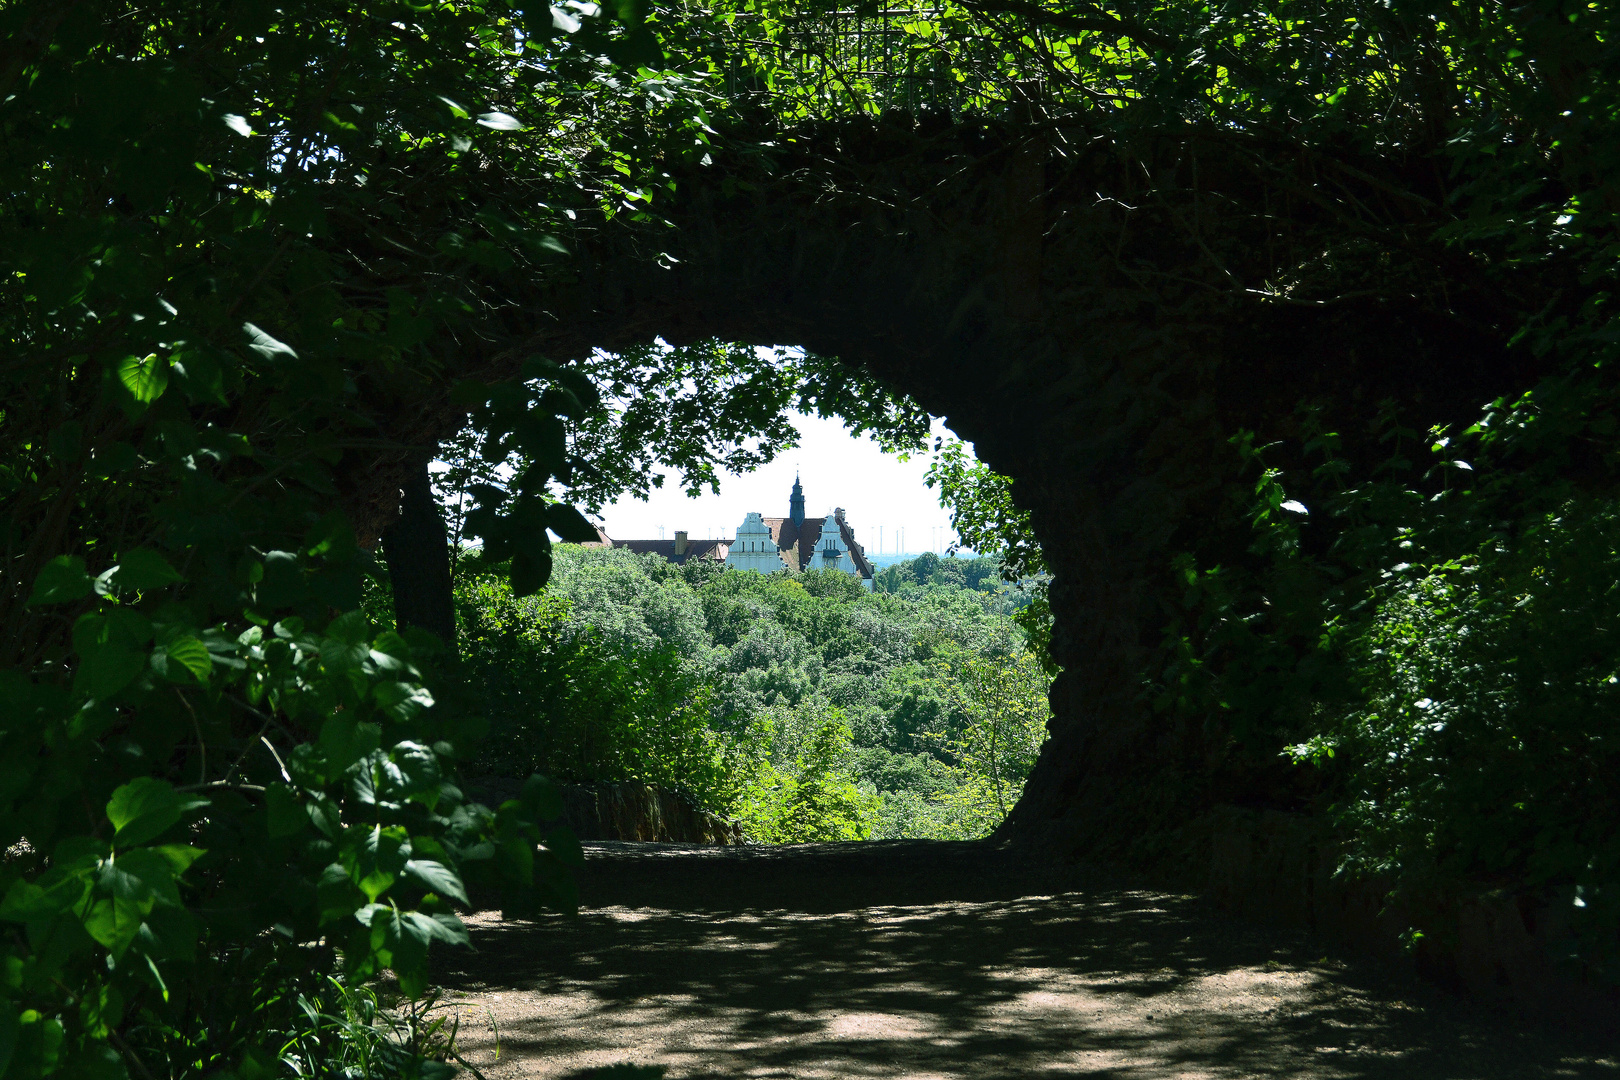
{"x":875,"y":489}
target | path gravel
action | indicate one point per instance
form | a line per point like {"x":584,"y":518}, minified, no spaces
{"x":930,"y":960}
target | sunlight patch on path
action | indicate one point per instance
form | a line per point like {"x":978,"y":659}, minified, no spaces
{"x":960,"y":963}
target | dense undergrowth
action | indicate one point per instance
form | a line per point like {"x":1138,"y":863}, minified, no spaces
{"x":803,"y":705}
{"x":1432,"y":645}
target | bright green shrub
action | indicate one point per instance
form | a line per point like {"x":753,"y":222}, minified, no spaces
{"x":583,"y":705}
{"x":815,"y":797}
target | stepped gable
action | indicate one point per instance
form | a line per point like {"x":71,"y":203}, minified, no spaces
{"x":798,"y":546}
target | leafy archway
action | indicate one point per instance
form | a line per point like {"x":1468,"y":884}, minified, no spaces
{"x":1210,"y":285}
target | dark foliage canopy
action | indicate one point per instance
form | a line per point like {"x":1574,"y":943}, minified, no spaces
{"x":238,"y":235}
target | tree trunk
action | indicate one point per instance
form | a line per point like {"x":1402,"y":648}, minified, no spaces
{"x":418,"y":554}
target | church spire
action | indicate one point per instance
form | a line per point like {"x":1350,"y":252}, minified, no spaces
{"x":796,"y":505}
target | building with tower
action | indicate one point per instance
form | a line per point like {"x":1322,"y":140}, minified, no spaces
{"x":796,"y":543}
{"x":767,"y":544}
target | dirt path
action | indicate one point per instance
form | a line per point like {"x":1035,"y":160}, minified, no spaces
{"x":916,"y":959}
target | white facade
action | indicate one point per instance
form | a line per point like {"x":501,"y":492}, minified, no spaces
{"x":795,"y":543}
{"x":831,"y":551}
{"x":754,"y":548}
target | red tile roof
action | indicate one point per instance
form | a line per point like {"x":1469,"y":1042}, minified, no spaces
{"x":695,"y":549}
{"x":797,"y":550}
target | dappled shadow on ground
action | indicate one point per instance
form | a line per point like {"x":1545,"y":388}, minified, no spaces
{"x":917,"y":959}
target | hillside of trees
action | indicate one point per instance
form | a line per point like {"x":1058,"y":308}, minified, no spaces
{"x":802,"y":704}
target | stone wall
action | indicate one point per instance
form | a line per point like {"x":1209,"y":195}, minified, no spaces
{"x":629,"y":810}
{"x":637,"y":811}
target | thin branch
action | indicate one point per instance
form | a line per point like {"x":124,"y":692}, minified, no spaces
{"x":279,"y":763}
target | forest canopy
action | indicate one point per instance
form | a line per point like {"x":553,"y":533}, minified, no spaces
{"x":803,"y":705}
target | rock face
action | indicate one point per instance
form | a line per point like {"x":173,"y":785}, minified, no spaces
{"x":1092,"y":348}
{"x":629,"y":810}
{"x":1099,"y":321}
{"x":637,"y":811}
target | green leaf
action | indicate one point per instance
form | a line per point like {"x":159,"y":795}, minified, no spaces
{"x":142,"y":875}
{"x":345,"y":740}
{"x":424,"y":928}
{"x":413,"y":978}
{"x":351,"y":628}
{"x":111,"y":651}
{"x":529,"y":571}
{"x":335,"y":894}
{"x":437,"y":878}
{"x":402,"y":701}
{"x":267,"y":346}
{"x":113,"y":923}
{"x":514,"y":859}
{"x":563,"y":844}
{"x":379,"y":861}
{"x":570,"y":524}
{"x":145,"y":807}
{"x":323,"y":814}
{"x":101,"y":1011}
{"x":287,"y":816}
{"x":64,"y":579}
{"x":452,"y":931}
{"x":27,"y":902}
{"x":179,"y":856}
{"x":191,"y":655}
{"x":142,"y":568}
{"x":542,"y":798}
{"x":145,"y":377}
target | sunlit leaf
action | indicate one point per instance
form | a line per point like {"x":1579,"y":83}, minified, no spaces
{"x":499,"y":121}
{"x":145,"y":377}
{"x":267,"y":346}
{"x":188,"y":655}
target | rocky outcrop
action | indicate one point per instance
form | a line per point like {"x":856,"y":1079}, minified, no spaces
{"x":1100,"y":321}
{"x":637,"y":811}
{"x":628,"y":810}
{"x":1093,"y":346}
